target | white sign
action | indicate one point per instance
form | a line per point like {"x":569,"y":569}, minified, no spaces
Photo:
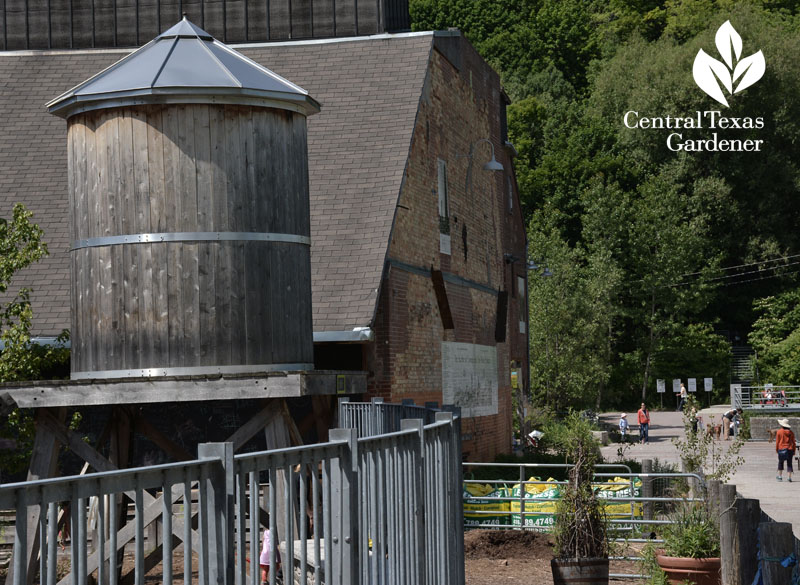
{"x":708,"y":383}
{"x":676,"y":385}
{"x":692,"y":384}
{"x":661,"y":386}
{"x":469,"y":378}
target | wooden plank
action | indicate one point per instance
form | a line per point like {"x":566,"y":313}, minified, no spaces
{"x":191,"y":304}
{"x":277,"y":436}
{"x":323,"y":415}
{"x":44,"y":457}
{"x":130,"y":286}
{"x":172,"y":184}
{"x":749,"y":515}
{"x":237,"y":207}
{"x":158,"y":204}
{"x":142,"y":197}
{"x":81,"y":353}
{"x":221,"y":251}
{"x":159,"y":390}
{"x":206,"y":308}
{"x":146,"y":429}
{"x":777,"y":543}
{"x":294,"y":433}
{"x":729,"y":535}
{"x":249,"y":429}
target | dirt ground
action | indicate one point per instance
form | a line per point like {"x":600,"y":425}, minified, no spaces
{"x":514,"y":557}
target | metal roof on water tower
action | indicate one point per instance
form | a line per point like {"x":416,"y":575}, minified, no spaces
{"x":184,"y":64}
{"x":190,"y":227}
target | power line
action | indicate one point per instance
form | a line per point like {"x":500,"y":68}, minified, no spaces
{"x":743,"y":274}
{"x":748,"y":264}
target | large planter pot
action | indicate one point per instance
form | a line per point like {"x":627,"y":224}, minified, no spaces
{"x":697,"y":571}
{"x":583,"y":571}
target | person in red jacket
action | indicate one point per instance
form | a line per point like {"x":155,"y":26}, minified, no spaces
{"x":785,"y":446}
{"x":644,"y":424}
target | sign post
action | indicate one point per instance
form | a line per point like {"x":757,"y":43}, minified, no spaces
{"x":661,"y":387}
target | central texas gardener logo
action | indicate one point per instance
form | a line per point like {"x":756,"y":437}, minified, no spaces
{"x":709,"y":73}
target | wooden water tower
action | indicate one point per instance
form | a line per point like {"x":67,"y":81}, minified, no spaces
{"x":190,"y":229}
{"x":190,"y":258}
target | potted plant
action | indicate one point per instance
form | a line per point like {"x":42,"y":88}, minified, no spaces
{"x":690,"y":552}
{"x":579,"y":531}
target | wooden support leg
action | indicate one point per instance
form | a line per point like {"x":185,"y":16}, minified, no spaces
{"x":321,"y":407}
{"x":278,"y":437}
{"x":43,"y":465}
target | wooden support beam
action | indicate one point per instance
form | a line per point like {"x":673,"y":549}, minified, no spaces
{"x":322,"y":412}
{"x":44,"y":459}
{"x":294,"y":434}
{"x":128,"y":532}
{"x":253,"y":426}
{"x":278,"y":437}
{"x":729,"y":535}
{"x":83,"y":393}
{"x":162,"y":441}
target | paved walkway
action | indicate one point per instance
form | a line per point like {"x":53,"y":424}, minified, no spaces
{"x":754,"y":479}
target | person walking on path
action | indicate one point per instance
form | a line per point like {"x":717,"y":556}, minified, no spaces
{"x":623,"y":427}
{"x":644,"y":425}
{"x":784,"y":445}
{"x":729,"y":422}
{"x":683,"y":397}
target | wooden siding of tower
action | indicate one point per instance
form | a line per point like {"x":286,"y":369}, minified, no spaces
{"x":189,"y":168}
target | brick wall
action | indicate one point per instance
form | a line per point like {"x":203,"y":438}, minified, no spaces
{"x":460,"y":105}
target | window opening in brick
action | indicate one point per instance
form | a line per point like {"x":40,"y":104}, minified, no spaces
{"x":444,"y":209}
{"x":521,"y":299}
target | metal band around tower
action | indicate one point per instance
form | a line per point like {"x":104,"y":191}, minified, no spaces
{"x":189,"y":371}
{"x":156,"y":238}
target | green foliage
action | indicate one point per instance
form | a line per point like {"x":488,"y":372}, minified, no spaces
{"x":637,"y":234}
{"x":694,"y":533}
{"x":580,"y":529}
{"x":701,"y":453}
{"x":776,"y":337}
{"x":20,"y":246}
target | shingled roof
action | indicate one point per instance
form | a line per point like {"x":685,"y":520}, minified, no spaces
{"x":369,"y":89}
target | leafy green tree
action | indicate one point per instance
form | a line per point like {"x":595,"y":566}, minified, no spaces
{"x":571,"y":319}
{"x":20,"y":246}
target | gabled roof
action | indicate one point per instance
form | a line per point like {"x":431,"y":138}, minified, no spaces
{"x":370,"y":89}
{"x":184,"y":64}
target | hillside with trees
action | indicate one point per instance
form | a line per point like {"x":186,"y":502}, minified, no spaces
{"x":663,"y":259}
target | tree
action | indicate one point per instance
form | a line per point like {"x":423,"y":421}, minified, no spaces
{"x":20,"y":246}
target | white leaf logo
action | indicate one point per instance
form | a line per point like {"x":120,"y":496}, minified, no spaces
{"x":709,"y":73}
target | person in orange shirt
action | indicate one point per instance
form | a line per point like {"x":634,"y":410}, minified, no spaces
{"x":785,"y":446}
{"x":644,"y":424}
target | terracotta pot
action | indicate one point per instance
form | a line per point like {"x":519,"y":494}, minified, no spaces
{"x":698,"y":571}
{"x":579,"y":571}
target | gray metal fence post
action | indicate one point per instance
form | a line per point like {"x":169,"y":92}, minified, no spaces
{"x":219,"y":511}
{"x":417,"y":479}
{"x":345,"y":511}
{"x":342,"y":420}
{"x":458,"y":471}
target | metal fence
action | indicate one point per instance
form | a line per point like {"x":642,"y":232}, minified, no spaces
{"x":635,"y":505}
{"x":382,"y":509}
{"x":765,"y":397}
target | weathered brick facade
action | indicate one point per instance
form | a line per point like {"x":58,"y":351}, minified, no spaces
{"x":461,"y":104}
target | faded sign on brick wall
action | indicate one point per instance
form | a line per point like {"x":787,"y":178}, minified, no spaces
{"x":469,"y":377}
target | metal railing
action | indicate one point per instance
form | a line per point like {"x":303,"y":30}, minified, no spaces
{"x":765,"y":397}
{"x":382,"y":509}
{"x":630,"y":515}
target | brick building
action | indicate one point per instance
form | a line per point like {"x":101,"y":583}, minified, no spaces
{"x":418,"y":271}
